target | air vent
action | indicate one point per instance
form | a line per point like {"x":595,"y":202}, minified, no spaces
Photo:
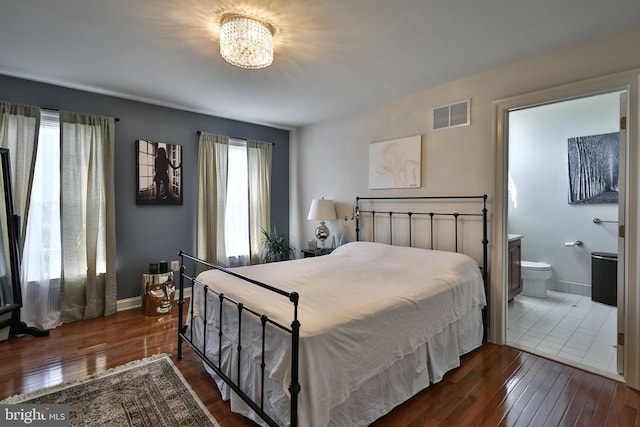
{"x":452,"y":115}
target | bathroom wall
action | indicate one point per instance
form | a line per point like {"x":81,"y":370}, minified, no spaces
{"x":538,"y":196}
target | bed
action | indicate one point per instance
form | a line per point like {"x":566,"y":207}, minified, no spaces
{"x":343,"y":338}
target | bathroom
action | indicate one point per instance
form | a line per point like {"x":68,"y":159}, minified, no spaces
{"x":559,"y":319}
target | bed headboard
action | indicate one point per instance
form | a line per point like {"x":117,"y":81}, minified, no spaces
{"x":451,"y":223}
{"x":431,"y":222}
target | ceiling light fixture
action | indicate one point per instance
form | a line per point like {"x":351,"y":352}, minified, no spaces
{"x":246,"y":42}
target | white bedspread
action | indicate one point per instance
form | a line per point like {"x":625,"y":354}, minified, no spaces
{"x":362,"y":308}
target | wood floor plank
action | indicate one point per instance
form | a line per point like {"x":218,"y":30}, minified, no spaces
{"x":566,"y":398}
{"x":536,"y":395}
{"x":631,"y":410}
{"x":603,"y":403}
{"x":551,"y":399}
{"x":510,"y":393}
{"x":488,"y":410}
{"x":530,"y":388}
{"x":580,"y":406}
{"x":480,"y":390}
{"x":495,"y":385}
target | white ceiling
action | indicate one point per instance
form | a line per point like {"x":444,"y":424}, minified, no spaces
{"x":332,"y":57}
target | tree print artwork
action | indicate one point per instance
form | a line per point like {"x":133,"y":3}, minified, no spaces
{"x":593,"y":168}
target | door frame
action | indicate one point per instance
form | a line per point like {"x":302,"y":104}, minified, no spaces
{"x":621,"y":270}
{"x":626,"y":81}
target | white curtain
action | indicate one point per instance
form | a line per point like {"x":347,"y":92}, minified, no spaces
{"x":88,"y":216}
{"x":236,"y":215}
{"x":41,"y":259}
{"x":19,"y":125}
{"x":212,"y":194}
{"x":260,"y":156}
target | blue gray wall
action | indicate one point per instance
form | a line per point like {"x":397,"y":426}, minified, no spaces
{"x":147,"y":234}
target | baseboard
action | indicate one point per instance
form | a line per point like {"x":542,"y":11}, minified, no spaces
{"x":573,"y":288}
{"x":129,"y":303}
{"x":136,"y":302}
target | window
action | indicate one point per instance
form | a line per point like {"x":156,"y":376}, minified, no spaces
{"x":237,"y":207}
{"x":146,"y":156}
{"x":234,"y":198}
{"x":68,"y":233}
{"x":42,"y":249}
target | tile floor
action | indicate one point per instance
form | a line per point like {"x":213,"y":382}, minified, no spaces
{"x":566,"y":327}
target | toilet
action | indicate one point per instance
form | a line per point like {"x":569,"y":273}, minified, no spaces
{"x":534,"y":278}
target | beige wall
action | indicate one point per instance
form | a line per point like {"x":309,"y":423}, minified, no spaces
{"x":330,"y":159}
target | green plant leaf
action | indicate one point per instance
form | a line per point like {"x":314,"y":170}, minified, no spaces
{"x":275,"y":247}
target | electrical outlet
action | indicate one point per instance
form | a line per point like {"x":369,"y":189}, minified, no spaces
{"x":175,"y":265}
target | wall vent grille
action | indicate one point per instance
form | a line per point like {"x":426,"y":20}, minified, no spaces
{"x":452,"y":115}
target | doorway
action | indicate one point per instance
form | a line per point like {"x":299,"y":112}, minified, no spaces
{"x":563,"y":209}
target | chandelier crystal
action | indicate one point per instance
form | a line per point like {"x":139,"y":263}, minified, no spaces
{"x":246,"y":42}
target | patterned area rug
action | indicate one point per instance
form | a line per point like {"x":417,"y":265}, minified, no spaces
{"x":149,"y":392}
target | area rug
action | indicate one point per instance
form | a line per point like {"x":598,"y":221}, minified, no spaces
{"x":145,"y":393}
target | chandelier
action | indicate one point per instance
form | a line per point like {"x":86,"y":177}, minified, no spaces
{"x":246,"y":42}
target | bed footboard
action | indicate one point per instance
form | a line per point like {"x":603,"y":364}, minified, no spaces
{"x":233,"y":380}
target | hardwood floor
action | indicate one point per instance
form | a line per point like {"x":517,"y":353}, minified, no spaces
{"x":494,"y":386}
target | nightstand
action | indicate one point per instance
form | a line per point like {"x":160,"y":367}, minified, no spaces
{"x":157,"y":292}
{"x":316,"y":252}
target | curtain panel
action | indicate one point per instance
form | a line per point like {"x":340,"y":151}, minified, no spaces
{"x":88,"y":216}
{"x":213,"y":164}
{"x":41,"y":255}
{"x":259,"y":157}
{"x":212,"y":195}
{"x":19,"y":125}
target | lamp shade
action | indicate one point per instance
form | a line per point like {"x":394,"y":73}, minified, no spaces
{"x":322,"y":210}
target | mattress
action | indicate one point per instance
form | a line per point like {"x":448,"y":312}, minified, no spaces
{"x":378,"y":323}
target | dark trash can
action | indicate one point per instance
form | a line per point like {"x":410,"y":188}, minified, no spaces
{"x":604,"y":278}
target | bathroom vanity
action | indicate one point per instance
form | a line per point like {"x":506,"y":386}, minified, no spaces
{"x":514,"y":274}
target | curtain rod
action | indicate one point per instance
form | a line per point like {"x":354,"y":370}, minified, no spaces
{"x":117,"y":119}
{"x":235,"y":137}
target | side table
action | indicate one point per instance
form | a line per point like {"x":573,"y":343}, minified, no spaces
{"x":316,"y":252}
{"x":157,"y":292}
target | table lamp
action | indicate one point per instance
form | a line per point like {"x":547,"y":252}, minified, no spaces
{"x":322,"y":210}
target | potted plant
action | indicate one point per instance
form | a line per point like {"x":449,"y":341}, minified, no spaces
{"x":275,"y":247}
